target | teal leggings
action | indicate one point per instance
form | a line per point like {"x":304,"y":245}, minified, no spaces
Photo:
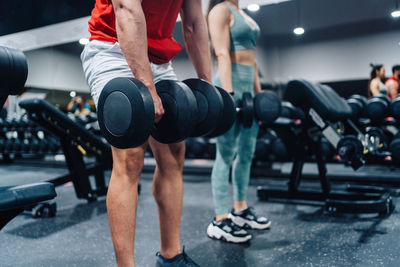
{"x":235,"y":148}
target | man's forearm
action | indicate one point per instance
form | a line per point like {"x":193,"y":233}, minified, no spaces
{"x":197,"y":43}
{"x":132,"y":36}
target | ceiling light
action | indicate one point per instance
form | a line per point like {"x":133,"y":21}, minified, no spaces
{"x":253,"y":7}
{"x":396,"y":13}
{"x":72,"y":94}
{"x":298,"y":31}
{"x":83,"y":41}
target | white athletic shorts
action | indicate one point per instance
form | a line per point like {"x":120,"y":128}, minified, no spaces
{"x":103,"y":61}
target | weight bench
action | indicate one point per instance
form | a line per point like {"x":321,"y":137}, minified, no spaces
{"x":13,"y":200}
{"x":323,"y":107}
{"x":76,"y":142}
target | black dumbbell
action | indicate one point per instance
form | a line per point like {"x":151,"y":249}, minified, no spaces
{"x":264,"y":147}
{"x":357,"y":104}
{"x":378,"y":107}
{"x":375,"y":139}
{"x":198,"y":147}
{"x":264,"y":107}
{"x":126,"y":111}
{"x":53,"y":144}
{"x":395,"y":108}
{"x":394,"y":148}
{"x":8,"y":147}
{"x":34,"y":145}
{"x":279,"y":149}
{"x":2,"y":145}
{"x":351,"y":150}
{"x":211,"y":148}
{"x":25,"y":145}
{"x":327,"y":150}
{"x":16,"y":146}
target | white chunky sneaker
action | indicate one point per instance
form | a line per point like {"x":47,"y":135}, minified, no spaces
{"x":228,"y":231}
{"x":247,"y":219}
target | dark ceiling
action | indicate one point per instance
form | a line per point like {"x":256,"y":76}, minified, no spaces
{"x":322,"y":19}
{"x":20,"y":15}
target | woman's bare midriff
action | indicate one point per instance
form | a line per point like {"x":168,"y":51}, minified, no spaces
{"x":245,"y":57}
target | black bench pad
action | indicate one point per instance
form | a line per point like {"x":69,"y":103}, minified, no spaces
{"x":322,"y":98}
{"x":24,"y":195}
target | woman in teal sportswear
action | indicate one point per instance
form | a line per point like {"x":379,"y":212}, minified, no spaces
{"x":233,"y":37}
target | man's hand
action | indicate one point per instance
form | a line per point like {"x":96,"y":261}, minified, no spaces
{"x":158,"y":107}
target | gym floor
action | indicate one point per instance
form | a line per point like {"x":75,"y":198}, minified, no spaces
{"x":300,"y":235}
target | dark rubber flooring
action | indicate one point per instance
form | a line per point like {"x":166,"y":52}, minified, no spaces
{"x":300,"y":235}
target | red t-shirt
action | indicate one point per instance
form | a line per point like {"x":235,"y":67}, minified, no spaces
{"x":392,"y":78}
{"x":160,"y":17}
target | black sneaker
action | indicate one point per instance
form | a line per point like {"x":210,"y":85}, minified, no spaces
{"x":180,"y":260}
{"x":247,"y":219}
{"x":228,"y":231}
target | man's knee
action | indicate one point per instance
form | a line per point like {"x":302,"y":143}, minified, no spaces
{"x":170,"y":157}
{"x":128,"y":162}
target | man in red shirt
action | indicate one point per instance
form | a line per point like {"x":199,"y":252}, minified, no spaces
{"x":392,"y":83}
{"x":133,"y":38}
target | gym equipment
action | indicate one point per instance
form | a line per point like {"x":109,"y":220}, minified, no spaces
{"x":13,"y":200}
{"x":394,"y":148}
{"x":395,"y":108}
{"x":264,"y":107}
{"x":378,"y":107}
{"x":13,"y":72}
{"x":76,"y":142}
{"x":210,"y":106}
{"x":126,"y":111}
{"x":228,"y":114}
{"x":180,"y":106}
{"x":324,"y":107}
{"x":357,"y":104}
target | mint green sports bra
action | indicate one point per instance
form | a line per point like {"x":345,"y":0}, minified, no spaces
{"x":242,"y":35}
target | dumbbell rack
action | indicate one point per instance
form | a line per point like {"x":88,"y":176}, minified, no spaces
{"x":21,"y":137}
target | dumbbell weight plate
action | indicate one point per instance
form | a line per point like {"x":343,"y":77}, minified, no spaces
{"x":350,"y":148}
{"x":267,"y":107}
{"x":246,"y":113}
{"x":356,"y":107}
{"x":378,"y":107}
{"x":287,"y":110}
{"x":228,"y":114}
{"x":395,"y":149}
{"x":209,"y":106}
{"x":125,"y":112}
{"x":395,"y":108}
{"x":180,"y":108}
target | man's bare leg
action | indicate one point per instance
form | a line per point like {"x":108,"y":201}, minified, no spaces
{"x":122,"y":200}
{"x":167,"y":191}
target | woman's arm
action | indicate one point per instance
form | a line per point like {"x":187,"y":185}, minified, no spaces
{"x":374,"y":87}
{"x":219,"y":23}
{"x":257,"y":84}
